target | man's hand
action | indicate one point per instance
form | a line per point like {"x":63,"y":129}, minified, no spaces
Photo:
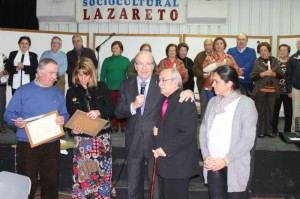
{"x":139,"y":101}
{"x":159,"y":152}
{"x":155,"y":131}
{"x":186,"y":95}
{"x":20,"y":123}
{"x":290,"y":95}
{"x":60,"y":120}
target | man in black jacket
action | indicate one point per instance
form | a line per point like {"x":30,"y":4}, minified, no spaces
{"x":293,"y":83}
{"x":177,"y":153}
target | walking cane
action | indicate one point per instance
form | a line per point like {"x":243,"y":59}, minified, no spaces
{"x":153,"y":178}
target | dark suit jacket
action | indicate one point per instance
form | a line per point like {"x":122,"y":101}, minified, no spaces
{"x":139,"y":137}
{"x":11,"y":68}
{"x":72,"y":59}
{"x":177,"y":137}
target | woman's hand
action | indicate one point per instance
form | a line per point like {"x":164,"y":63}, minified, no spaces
{"x":214,"y":164}
{"x":93,"y":114}
{"x":20,"y":66}
{"x":77,"y":130}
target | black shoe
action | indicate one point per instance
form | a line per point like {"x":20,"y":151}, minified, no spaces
{"x":115,"y":129}
{"x":123,"y":130}
{"x":261,"y":135}
{"x":272,"y":135}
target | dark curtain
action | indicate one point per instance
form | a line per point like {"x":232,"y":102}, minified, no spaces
{"x":20,"y":14}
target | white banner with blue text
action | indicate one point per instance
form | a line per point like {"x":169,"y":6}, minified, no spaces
{"x":145,"y":11}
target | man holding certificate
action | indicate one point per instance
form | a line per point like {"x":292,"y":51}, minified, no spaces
{"x":36,"y":98}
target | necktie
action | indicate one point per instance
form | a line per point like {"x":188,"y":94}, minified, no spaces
{"x":164,"y":109}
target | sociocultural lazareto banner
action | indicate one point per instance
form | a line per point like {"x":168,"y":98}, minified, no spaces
{"x":146,"y":11}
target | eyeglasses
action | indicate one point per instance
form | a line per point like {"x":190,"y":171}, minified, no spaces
{"x":163,"y":80}
{"x":146,"y":64}
{"x":55,"y":43}
{"x":241,"y":39}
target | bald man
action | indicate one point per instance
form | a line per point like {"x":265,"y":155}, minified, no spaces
{"x":244,"y":57}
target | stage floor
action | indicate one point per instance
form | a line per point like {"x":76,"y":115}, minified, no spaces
{"x":118,"y":140}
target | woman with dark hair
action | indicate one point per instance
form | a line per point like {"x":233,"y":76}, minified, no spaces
{"x":283,"y":59}
{"x":227,"y":137}
{"x":216,"y":59}
{"x":113,"y":72}
{"x":171,"y":61}
{"x":92,"y":158}
{"x":21,"y":64}
{"x":183,"y":49}
{"x":265,"y":75}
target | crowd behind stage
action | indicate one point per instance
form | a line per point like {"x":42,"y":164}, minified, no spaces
{"x":134,"y":96}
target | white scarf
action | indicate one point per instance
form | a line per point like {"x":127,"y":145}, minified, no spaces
{"x":21,"y":74}
{"x":4,"y":77}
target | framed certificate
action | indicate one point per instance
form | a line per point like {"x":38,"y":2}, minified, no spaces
{"x":43,"y":129}
{"x":90,"y":127}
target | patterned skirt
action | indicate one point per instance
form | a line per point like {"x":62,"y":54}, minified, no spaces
{"x":92,"y":167}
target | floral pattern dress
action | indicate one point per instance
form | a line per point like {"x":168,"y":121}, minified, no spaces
{"x":92,"y":156}
{"x":92,"y":166}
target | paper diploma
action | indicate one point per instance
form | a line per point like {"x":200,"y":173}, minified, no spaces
{"x":43,"y":130}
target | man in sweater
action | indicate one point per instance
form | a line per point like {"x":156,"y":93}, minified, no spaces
{"x":293,"y":83}
{"x":61,"y":59}
{"x":33,"y":99}
{"x":244,"y":57}
{"x":76,"y":53}
{"x":198,"y":72}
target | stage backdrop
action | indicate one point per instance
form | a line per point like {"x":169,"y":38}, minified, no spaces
{"x":40,"y":41}
{"x":290,"y":40}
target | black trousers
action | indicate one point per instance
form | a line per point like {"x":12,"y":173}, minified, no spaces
{"x":136,"y":172}
{"x":217,"y":186}
{"x":175,"y":188}
{"x":288,"y":113}
{"x":265,"y":103}
{"x":42,"y":160}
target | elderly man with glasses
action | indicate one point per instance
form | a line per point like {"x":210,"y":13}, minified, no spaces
{"x":140,"y":102}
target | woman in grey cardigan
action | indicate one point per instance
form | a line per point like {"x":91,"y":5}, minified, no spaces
{"x":227,"y":138}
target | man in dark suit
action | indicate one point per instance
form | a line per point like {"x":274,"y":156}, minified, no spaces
{"x":142,"y":110}
{"x":177,"y":153}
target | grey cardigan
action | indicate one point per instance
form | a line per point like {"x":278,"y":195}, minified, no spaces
{"x":243,"y":139}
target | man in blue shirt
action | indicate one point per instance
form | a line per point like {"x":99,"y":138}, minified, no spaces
{"x":244,"y":57}
{"x":61,"y":59}
{"x":33,"y":99}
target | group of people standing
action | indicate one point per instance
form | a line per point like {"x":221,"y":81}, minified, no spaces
{"x":156,"y":111}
